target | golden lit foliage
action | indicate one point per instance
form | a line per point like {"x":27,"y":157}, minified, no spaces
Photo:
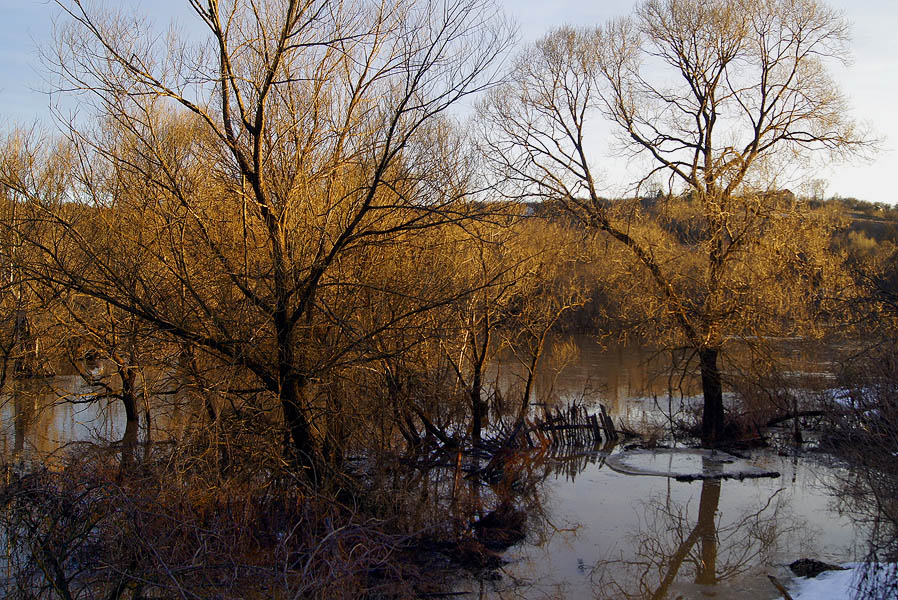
{"x":718,"y":96}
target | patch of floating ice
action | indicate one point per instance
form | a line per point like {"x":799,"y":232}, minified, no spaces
{"x":685,"y":464}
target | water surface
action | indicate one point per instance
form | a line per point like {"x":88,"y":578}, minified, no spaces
{"x":594,"y":532}
{"x":605,"y":534}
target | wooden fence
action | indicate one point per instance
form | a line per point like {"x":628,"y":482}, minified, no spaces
{"x":571,"y":426}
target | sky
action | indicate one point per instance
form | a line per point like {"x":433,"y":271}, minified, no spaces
{"x":870,"y":82}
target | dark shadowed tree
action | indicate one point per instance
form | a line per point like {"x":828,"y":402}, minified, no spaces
{"x":225,"y":185}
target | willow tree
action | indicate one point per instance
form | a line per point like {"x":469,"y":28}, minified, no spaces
{"x":719,"y":98}
{"x":226,"y":178}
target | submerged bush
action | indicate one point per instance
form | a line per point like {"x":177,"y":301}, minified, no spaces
{"x":85,"y":531}
{"x":863,"y":430}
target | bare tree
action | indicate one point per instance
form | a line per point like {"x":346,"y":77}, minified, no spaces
{"x":19,"y":343}
{"x":552,"y":288}
{"x":226,"y":184}
{"x":720,"y":97}
{"x":494,"y":273}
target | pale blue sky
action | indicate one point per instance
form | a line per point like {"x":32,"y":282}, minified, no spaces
{"x":871,"y":82}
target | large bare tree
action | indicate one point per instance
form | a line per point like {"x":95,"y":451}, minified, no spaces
{"x":720,"y":98}
{"x":233,"y":187}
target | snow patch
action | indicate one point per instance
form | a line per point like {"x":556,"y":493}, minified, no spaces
{"x":839,"y":585}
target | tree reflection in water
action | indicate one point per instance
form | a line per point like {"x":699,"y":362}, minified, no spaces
{"x":673,"y":549}
{"x":528,"y":477}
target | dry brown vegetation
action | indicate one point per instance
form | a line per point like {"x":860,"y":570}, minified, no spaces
{"x":674,"y":79}
{"x":279,"y":249}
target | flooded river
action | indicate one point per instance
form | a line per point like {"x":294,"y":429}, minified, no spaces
{"x":596,"y":531}
{"x":604,"y":533}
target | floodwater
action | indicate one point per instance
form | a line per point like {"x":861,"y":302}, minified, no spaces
{"x":41,"y":416}
{"x":616,"y":523}
{"x":607,"y":534}
{"x":598,"y":530}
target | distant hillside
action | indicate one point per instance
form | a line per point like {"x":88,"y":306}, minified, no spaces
{"x":876,"y":220}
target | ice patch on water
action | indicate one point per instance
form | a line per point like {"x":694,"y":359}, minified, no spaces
{"x":686,"y":464}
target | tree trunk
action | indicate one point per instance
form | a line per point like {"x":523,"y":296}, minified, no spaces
{"x":531,"y":374}
{"x":23,"y":365}
{"x":301,"y":450}
{"x":23,"y":414}
{"x":129,"y":447}
{"x":477,"y":409}
{"x":129,"y":400}
{"x":712,"y":415}
{"x":129,"y":396}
